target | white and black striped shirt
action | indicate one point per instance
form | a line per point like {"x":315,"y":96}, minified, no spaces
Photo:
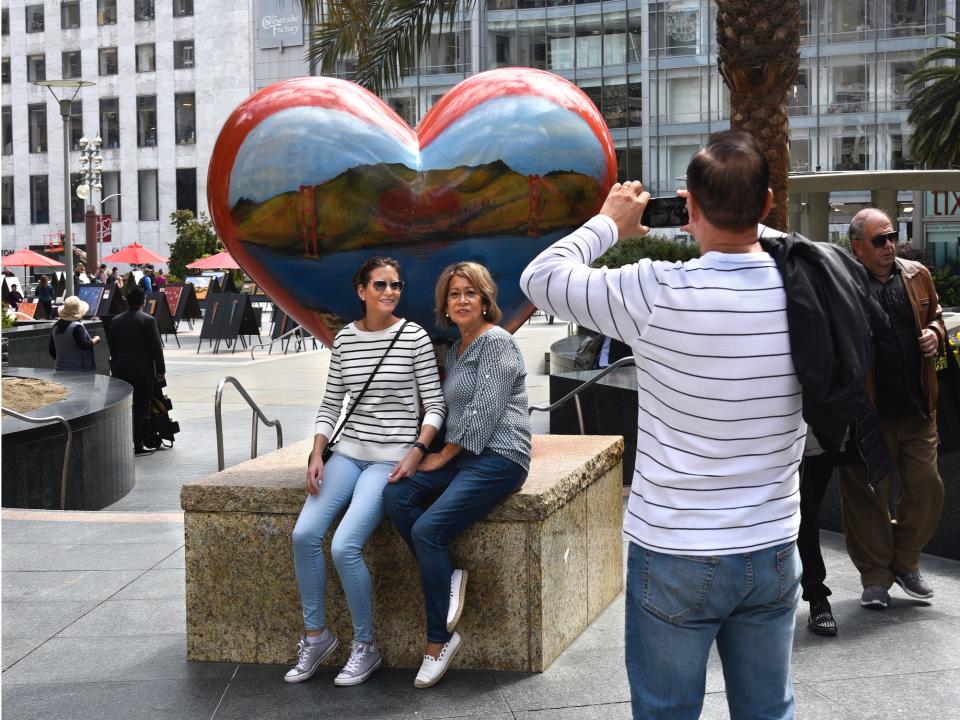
{"x":386,"y":423}
{"x":720,"y":432}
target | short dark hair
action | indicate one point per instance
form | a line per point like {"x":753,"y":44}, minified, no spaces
{"x":729,"y":179}
{"x":136,"y":297}
{"x":362,"y":275}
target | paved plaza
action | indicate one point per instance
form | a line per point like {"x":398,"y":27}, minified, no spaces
{"x":94,"y":622}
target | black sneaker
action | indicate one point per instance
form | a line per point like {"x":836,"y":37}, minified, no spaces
{"x":914,"y":585}
{"x":821,"y":620}
{"x":874,"y":596}
{"x":142,"y":451}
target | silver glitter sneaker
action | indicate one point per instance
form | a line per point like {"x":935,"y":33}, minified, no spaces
{"x":364,"y":660}
{"x":310,"y":655}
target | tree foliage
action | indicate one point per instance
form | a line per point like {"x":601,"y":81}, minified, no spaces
{"x":935,"y":106}
{"x":196,"y":238}
{"x":385,"y":37}
{"x":656,"y":247}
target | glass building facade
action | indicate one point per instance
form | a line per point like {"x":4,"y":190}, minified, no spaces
{"x":650,"y":67}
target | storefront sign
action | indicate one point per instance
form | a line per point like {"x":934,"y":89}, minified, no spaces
{"x":279,"y":23}
{"x":942,"y":204}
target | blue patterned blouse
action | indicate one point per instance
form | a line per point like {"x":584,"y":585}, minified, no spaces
{"x":486,"y":397}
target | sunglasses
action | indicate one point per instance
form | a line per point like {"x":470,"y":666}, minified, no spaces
{"x":880,"y":240}
{"x":381,"y":285}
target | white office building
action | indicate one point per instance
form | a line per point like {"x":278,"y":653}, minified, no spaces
{"x":167,"y":74}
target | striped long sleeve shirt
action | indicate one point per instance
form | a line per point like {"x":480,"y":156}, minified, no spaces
{"x":386,"y":423}
{"x":720,"y":432}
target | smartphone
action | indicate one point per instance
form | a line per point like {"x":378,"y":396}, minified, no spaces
{"x":665,"y":212}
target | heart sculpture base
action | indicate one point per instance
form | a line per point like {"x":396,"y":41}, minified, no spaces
{"x":311,"y":177}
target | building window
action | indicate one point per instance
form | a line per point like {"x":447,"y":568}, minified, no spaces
{"x":7,"y":217}
{"x":36,"y":67}
{"x":849,"y":89}
{"x":39,"y":200}
{"x":899,"y":95}
{"x":589,"y":42}
{"x":147,"y":120}
{"x":110,"y":122}
{"x":7,"y":130}
{"x":182,"y":8}
{"x":147,"y":190}
{"x":146,"y":58}
{"x":615,"y":101}
{"x":76,"y":204}
{"x":592,"y":89}
{"x":185,"y":115}
{"x":76,"y":124}
{"x":683,"y":100}
{"x":614,"y":38}
{"x":501,"y":4}
{"x":800,"y":154}
{"x":34,"y":16}
{"x":501,"y":43}
{"x":676,"y":31}
{"x":851,"y":150}
{"x":108,"y":61}
{"x":5,"y":71}
{"x":635,"y":104}
{"x":798,"y":97}
{"x":406,"y":108}
{"x":532,"y":43}
{"x":187,"y":189}
{"x":634,"y":41}
{"x":5,"y":21}
{"x":69,"y":14}
{"x":106,"y":12}
{"x":111,"y":186}
{"x":37,"y":122}
{"x":560,"y":44}
{"x":183,"y":54}
{"x":71,"y":64}
{"x":143,"y":9}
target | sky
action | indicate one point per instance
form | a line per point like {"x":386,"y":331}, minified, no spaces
{"x":310,"y":145}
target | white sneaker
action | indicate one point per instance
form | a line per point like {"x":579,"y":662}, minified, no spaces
{"x":458,"y":590}
{"x":431,"y":670}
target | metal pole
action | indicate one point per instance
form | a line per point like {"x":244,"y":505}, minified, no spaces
{"x":67,"y":206}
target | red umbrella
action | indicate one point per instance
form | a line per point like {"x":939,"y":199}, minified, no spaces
{"x":134,"y":254}
{"x":220,"y":261}
{"x":28,"y":258}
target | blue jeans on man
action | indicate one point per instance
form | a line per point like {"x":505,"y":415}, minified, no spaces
{"x":431,"y":508}
{"x":678,"y":605}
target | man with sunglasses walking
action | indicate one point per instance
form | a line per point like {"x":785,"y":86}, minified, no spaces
{"x":903,"y":385}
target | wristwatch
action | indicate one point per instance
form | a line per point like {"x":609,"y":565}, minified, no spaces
{"x":422,"y":448}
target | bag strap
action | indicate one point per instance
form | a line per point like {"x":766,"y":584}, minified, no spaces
{"x":356,"y":402}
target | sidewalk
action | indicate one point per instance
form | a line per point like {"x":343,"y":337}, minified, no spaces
{"x":93,"y":611}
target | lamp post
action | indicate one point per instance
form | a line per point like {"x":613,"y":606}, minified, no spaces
{"x":65,"y":106}
{"x":90,"y":163}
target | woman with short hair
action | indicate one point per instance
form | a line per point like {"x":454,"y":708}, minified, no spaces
{"x":486,"y":456}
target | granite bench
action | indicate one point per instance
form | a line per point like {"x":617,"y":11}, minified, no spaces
{"x":543,"y":564}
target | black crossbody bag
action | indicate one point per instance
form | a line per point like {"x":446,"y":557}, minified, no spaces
{"x":328,"y":450}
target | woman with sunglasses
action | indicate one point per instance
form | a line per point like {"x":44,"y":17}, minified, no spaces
{"x":486,"y":456}
{"x":381,"y":440}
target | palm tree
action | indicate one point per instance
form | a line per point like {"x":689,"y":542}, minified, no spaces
{"x":386,"y":37}
{"x":758,"y":55}
{"x":935,"y":106}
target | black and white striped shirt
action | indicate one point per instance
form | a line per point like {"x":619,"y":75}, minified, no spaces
{"x":386,"y":423}
{"x":720,"y":432}
{"x":486,"y":396}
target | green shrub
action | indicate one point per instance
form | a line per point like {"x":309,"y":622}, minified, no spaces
{"x":948,"y":286}
{"x":656,"y":247}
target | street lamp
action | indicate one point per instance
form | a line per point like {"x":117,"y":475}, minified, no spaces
{"x":91,"y":162}
{"x":65,"y":104}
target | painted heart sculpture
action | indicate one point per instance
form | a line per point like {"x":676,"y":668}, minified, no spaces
{"x":310,"y":177}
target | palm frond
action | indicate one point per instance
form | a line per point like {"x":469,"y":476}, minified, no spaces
{"x":935,"y":105}
{"x":384,"y":37}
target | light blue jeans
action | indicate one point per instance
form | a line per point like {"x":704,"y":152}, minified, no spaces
{"x":677,"y":605}
{"x":359,"y":484}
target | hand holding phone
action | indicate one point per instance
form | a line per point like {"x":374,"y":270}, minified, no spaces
{"x":665,"y":212}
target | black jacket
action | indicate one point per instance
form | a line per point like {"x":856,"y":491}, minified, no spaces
{"x":135,"y":348}
{"x":832,"y":316}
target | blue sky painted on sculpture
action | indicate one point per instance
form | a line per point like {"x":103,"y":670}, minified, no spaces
{"x":309,"y":145}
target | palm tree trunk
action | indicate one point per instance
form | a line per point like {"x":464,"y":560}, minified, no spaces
{"x":757,"y":55}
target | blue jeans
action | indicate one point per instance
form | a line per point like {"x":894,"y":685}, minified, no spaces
{"x":431,"y":508}
{"x":358,"y":483}
{"x":677,"y":605}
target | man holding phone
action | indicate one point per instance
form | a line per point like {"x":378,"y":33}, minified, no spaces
{"x":713,"y":513}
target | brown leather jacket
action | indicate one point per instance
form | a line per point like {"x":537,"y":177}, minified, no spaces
{"x":927,"y":313}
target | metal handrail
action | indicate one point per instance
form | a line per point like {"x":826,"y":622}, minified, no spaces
{"x":575,"y":393}
{"x":272,"y":341}
{"x":257,"y":415}
{"x":66,"y":452}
